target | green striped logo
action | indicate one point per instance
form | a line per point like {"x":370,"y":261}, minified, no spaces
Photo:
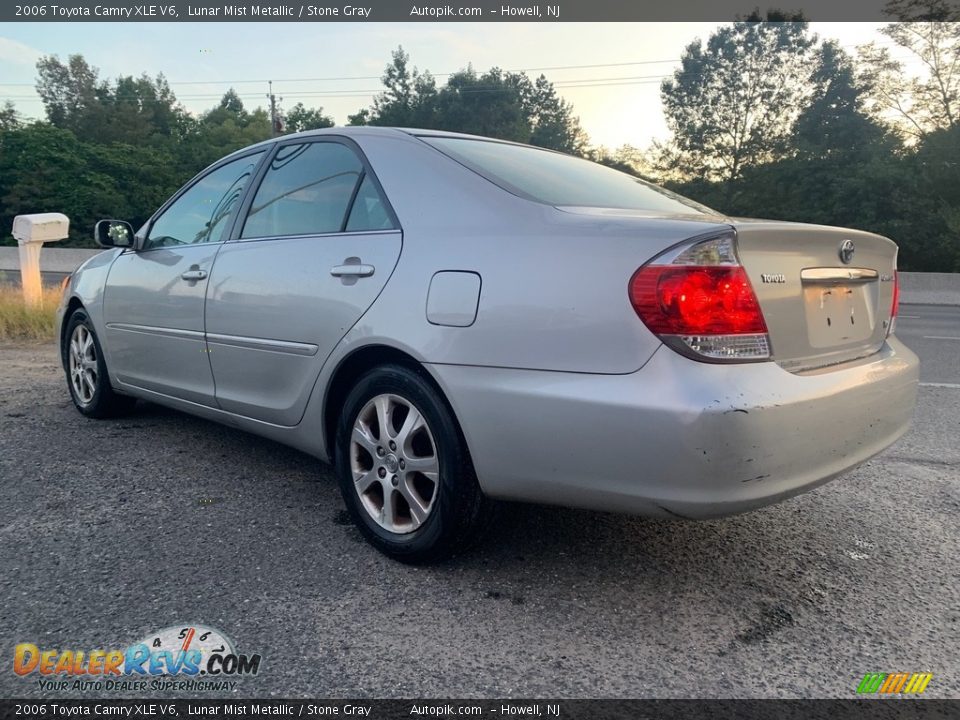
{"x":894,"y":683}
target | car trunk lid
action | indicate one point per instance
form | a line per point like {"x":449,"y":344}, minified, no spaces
{"x":826,"y":293}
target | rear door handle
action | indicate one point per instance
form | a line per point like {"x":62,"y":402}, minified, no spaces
{"x":352,"y":270}
{"x":194,"y":275}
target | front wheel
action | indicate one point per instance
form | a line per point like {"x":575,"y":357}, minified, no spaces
{"x":404,"y":469}
{"x":86,"y":370}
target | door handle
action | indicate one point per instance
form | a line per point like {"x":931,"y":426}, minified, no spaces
{"x":194,"y":275}
{"x":352,"y":270}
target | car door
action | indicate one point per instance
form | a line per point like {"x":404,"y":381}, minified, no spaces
{"x":155,"y":294}
{"x":317,"y":242}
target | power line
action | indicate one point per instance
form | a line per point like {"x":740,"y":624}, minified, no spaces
{"x":566,"y":83}
{"x":363,"y":92}
{"x":378,"y":77}
{"x":446,"y":74}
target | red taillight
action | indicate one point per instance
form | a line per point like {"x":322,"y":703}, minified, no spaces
{"x":695,"y":300}
{"x":699,"y":301}
{"x":895,"y":305}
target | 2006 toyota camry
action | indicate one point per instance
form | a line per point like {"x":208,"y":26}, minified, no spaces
{"x":451,"y":319}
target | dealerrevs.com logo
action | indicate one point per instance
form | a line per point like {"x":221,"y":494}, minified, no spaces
{"x":187,"y":657}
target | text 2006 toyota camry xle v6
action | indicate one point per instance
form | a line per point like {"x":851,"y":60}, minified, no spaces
{"x":451,"y":319}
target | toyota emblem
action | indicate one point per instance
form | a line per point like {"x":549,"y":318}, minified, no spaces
{"x":846,"y":251}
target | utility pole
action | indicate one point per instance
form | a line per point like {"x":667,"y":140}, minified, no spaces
{"x":273,"y":110}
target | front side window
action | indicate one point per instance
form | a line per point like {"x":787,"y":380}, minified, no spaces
{"x":309,"y":189}
{"x":202,"y":214}
{"x":561,"y":180}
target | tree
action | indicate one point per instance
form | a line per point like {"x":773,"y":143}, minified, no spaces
{"x":733,"y":101}
{"x":44,"y":168}
{"x":408,"y":99}
{"x":141,"y":109}
{"x":9,"y":117}
{"x":936,"y":202}
{"x":130,"y":110}
{"x":554,"y":124}
{"x":300,"y":118}
{"x":71,"y":92}
{"x":836,"y":123}
{"x":625,"y":158}
{"x":492,"y":104}
{"x":360,"y":117}
{"x":227,"y":127}
{"x":843,"y":170}
{"x":930,"y":31}
{"x":231,"y":103}
{"x":230,"y":108}
{"x":497,"y":103}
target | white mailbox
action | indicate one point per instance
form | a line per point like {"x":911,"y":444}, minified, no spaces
{"x":40,"y":227}
{"x":31,"y":232}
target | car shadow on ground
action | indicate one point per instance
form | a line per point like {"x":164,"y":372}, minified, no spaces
{"x":602,"y":547}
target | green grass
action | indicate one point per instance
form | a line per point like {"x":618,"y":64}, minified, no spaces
{"x":19,"y":322}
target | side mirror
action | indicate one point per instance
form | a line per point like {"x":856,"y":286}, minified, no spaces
{"x":113,"y":233}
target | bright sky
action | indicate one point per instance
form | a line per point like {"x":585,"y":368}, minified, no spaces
{"x":618,"y":102}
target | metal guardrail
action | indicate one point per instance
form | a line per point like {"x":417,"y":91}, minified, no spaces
{"x":930,"y":288}
{"x":52,"y":259}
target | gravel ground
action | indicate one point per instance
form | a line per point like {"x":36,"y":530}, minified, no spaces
{"x":112,"y":529}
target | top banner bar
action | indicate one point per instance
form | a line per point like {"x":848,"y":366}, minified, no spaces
{"x":412,"y":11}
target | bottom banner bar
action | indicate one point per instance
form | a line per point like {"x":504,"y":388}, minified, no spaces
{"x":507,"y":709}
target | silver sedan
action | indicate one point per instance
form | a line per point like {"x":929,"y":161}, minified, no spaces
{"x":451,"y":320}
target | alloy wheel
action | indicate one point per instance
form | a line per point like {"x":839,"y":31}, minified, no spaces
{"x":394,"y":463}
{"x":84,"y":372}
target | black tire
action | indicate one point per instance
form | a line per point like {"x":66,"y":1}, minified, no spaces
{"x":459,"y":511}
{"x":104,"y":402}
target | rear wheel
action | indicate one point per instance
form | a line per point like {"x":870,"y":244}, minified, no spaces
{"x":86,"y":369}
{"x":404,"y":469}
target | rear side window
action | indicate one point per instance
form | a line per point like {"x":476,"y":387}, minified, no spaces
{"x":561,"y":180}
{"x":369,"y":212}
{"x":309,"y":189}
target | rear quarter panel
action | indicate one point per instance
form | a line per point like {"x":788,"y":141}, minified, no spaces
{"x":553,"y":284}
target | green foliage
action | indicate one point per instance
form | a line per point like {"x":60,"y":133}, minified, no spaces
{"x":115,"y":149}
{"x":491,"y":104}
{"x":86,"y":181}
{"x":129,"y":110}
{"x":764,"y":124}
{"x":554,"y":124}
{"x":835,"y":122}
{"x":496,"y":103}
{"x":733,"y":101}
{"x":936,"y":165}
{"x":927,"y":31}
{"x":300,"y":118}
{"x":408,"y":98}
{"x":912,"y":197}
{"x":361,"y":117}
{"x":9,"y":117}
{"x":626,"y":159}
{"x":846,"y":168}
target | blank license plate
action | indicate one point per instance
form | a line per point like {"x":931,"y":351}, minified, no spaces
{"x":838,"y":314}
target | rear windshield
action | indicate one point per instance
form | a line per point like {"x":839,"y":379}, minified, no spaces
{"x":556,"y":179}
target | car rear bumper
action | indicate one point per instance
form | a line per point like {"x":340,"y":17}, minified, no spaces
{"x":678,"y":437}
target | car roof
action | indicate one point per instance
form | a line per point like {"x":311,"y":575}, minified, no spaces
{"x":373,"y":130}
{"x":361,"y":131}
